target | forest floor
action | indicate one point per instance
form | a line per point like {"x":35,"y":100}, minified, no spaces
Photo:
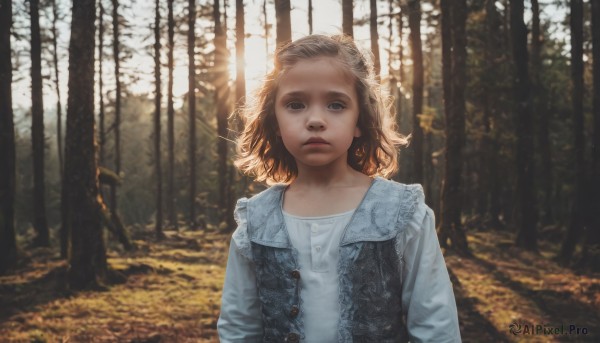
{"x":170,"y":292}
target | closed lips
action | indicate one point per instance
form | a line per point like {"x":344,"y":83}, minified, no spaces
{"x":316,"y":140}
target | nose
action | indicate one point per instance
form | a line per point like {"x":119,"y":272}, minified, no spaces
{"x":315,"y":122}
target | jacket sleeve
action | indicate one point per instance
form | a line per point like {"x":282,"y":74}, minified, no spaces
{"x":240,"y":319}
{"x":428,"y":300}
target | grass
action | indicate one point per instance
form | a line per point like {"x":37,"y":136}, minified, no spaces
{"x":172,"y":293}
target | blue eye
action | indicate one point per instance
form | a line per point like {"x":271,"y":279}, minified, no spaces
{"x":295,"y":105}
{"x":337,"y":106}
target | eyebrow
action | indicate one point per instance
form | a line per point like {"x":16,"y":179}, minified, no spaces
{"x":330,"y":94}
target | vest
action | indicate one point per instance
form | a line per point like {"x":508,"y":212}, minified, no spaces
{"x":369,"y":269}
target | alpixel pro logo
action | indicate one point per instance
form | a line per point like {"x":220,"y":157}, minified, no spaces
{"x":517,"y":328}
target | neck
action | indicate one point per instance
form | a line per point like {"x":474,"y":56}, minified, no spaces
{"x":331,"y":176}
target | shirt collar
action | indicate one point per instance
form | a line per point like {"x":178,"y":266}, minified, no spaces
{"x":373,"y":220}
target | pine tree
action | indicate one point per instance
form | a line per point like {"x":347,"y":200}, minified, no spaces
{"x":37,"y":130}
{"x":157,"y":101}
{"x":191,"y":39}
{"x":87,"y":258}
{"x":526,"y":237}
{"x":8,"y":243}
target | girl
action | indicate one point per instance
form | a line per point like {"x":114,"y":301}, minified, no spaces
{"x":332,"y":251}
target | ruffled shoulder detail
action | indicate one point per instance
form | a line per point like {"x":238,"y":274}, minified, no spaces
{"x":411,"y":215}
{"x":240,"y":235}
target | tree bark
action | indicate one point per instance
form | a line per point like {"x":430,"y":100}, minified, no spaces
{"x":240,"y":94}
{"x":576,"y":212}
{"x":446,"y":28}
{"x":526,"y":206}
{"x":64,"y":234}
{"x":240,"y":46}
{"x":486,"y":76}
{"x":414,"y":22}
{"x":348,"y":17}
{"x":8,"y":243}
{"x":157,"y":101}
{"x":541,"y":112}
{"x":310,"y":17}
{"x":374,"y":37}
{"x":592,"y":247}
{"x":401,"y":76}
{"x":266,"y":27}
{"x":222,"y":101}
{"x":117,"y":125}
{"x":87,"y":258}
{"x":192,"y":110}
{"x":490,"y":183}
{"x":101,"y":118}
{"x":284,"y":25}
{"x":454,"y":55}
{"x":57,"y":88}
{"x":37,"y":130}
{"x":171,"y":121}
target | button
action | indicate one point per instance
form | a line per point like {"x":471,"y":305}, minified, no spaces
{"x":295,"y":274}
{"x":293,"y":337}
{"x":318,"y":247}
{"x":314,"y":228}
{"x":294,"y":311}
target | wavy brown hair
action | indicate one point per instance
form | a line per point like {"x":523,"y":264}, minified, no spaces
{"x":261,"y":152}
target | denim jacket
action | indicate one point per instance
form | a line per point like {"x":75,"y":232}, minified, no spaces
{"x":370,"y":268}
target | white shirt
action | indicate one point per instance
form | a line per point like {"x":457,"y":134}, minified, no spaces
{"x":427,"y":296}
{"x":317,"y":240}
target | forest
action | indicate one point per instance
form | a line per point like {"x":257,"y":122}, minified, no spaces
{"x":118,"y":123}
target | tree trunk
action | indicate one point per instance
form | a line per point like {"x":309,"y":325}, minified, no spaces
{"x":56,"y":86}
{"x":117,"y":125}
{"x":401,"y":76}
{"x":192,"y":109}
{"x":526,"y":207}
{"x":284,"y":25}
{"x":576,"y":216}
{"x":222,"y":101}
{"x":374,"y":38}
{"x":37,"y":130}
{"x":87,"y":258}
{"x":486,"y":76}
{"x":64,"y":238}
{"x":157,"y":101}
{"x":171,"y":122}
{"x":489,"y":164}
{"x":390,"y":38}
{"x":63,"y":232}
{"x":240,"y":92}
{"x":8,"y":243}
{"x":592,"y":247}
{"x":102,"y":133}
{"x":414,"y":22}
{"x":401,"y":175}
{"x":266,"y":27}
{"x":310,"y":17}
{"x":240,"y":35}
{"x":446,"y":28}
{"x":454,"y":15}
{"x":541,"y":113}
{"x":348,"y":17}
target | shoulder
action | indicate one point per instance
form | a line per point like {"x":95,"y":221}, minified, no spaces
{"x":385,"y":211}
{"x":262,"y":198}
{"x":266,"y":196}
{"x":409,"y":199}
{"x":252,"y":209}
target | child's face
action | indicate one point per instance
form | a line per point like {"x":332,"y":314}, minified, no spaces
{"x":316,"y":99}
